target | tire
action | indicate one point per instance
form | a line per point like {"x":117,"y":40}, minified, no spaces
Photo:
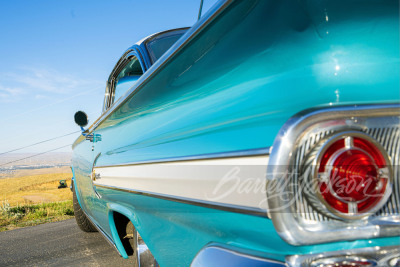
{"x":81,"y":219}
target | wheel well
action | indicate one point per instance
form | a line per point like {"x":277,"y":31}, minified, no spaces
{"x":121,"y":224}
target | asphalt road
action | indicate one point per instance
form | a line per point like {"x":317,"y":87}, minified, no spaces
{"x":57,"y":244}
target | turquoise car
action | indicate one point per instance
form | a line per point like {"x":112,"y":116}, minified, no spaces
{"x":267,"y":134}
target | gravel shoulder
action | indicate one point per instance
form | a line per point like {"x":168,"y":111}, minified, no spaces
{"x":57,"y":244}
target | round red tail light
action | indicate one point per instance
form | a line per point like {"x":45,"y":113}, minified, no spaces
{"x":352,"y":175}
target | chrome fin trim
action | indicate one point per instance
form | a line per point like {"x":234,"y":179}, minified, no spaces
{"x":223,"y":155}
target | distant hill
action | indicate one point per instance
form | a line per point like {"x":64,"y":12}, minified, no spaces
{"x":9,"y":163}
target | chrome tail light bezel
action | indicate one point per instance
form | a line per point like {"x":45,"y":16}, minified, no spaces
{"x":292,"y":227}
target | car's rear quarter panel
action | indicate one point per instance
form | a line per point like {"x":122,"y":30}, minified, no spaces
{"x":231,"y":88}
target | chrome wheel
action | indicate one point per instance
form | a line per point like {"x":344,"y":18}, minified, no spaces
{"x":141,"y":253}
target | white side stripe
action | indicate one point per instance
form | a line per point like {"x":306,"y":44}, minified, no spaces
{"x":237,"y":181}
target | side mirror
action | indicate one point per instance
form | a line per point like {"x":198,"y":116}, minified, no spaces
{"x":81,"y":118}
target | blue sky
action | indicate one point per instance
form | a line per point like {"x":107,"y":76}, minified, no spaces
{"x":55,"y":57}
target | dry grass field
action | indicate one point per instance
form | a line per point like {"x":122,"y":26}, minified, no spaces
{"x":30,"y":200}
{"x":34,"y":189}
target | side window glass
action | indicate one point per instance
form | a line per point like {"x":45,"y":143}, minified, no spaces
{"x":127,"y":77}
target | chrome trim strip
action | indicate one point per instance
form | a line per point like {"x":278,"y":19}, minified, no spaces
{"x":217,"y":255}
{"x":196,"y":202}
{"x":223,"y":155}
{"x":161,"y":62}
{"x":281,"y":210}
{"x":380,"y":256}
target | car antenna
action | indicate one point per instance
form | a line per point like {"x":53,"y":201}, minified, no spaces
{"x":201,"y":8}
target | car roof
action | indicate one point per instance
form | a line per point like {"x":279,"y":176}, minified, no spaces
{"x":155,"y":35}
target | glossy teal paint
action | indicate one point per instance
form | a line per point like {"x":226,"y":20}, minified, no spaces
{"x":96,"y":209}
{"x":232,"y":88}
{"x":75,"y":186}
{"x":111,"y":225}
{"x":176,"y":232}
{"x":235,"y":84}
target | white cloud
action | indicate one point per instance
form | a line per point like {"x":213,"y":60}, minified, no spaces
{"x":40,"y":96}
{"x":45,"y":80}
{"x":47,"y":88}
{"x":8,"y":94}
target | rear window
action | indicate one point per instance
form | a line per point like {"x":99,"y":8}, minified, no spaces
{"x":160,"y":44}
